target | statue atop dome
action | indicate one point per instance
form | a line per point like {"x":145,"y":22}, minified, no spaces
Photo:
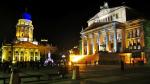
{"x":105,"y":6}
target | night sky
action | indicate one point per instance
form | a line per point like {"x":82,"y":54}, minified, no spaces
{"x":59,"y":21}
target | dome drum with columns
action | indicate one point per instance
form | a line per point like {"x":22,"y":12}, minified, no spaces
{"x":24,"y":30}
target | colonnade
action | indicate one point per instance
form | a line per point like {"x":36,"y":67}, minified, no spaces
{"x":26,"y":55}
{"x":99,"y":40}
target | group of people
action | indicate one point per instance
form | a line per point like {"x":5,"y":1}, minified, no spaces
{"x":33,"y":65}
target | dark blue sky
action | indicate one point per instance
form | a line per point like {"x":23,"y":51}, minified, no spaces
{"x":60,"y":21}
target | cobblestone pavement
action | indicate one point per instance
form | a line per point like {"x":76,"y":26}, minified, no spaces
{"x":99,"y":74}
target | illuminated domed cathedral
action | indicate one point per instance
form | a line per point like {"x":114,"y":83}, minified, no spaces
{"x":23,"y":48}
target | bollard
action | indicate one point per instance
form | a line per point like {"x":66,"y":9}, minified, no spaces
{"x":75,"y":73}
{"x":14,"y":77}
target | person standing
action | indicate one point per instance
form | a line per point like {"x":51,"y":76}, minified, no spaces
{"x":122,"y":65}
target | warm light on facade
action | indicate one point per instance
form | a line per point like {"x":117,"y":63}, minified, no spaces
{"x":76,"y":58}
{"x":23,"y":51}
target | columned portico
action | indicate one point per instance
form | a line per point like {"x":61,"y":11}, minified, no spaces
{"x":104,"y":39}
{"x":112,"y":31}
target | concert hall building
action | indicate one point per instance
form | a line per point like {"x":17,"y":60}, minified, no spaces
{"x":115,"y":32}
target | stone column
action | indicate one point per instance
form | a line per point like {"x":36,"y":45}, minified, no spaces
{"x":39,"y":55}
{"x":98,"y":39}
{"x":34,"y":55}
{"x":19,"y":56}
{"x":106,"y":39}
{"x":93,"y":43}
{"x":83,"y":45}
{"x":115,"y":37}
{"x":29,"y":54}
{"x":24,"y":59}
{"x":88,"y":46}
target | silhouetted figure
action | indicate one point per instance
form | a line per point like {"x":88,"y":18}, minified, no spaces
{"x":5,"y":66}
{"x":122,"y":65}
{"x":37,"y":65}
{"x":62,"y":71}
{"x":86,"y":63}
{"x":25,"y":64}
{"x":9,"y":70}
{"x":95,"y":63}
{"x":133,"y":63}
{"x":98,"y":61}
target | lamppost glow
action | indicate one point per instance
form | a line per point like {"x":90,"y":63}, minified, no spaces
{"x":76,"y":58}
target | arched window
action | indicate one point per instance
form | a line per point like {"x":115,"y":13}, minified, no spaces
{"x":21,"y":59}
{"x":134,"y":45}
{"x":35,"y":58}
{"x":117,"y":16}
{"x":31,"y":59}
{"x":130,"y":45}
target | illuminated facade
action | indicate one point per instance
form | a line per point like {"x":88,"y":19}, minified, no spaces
{"x":21,"y":51}
{"x":24,"y":48}
{"x":24,"y":30}
{"x":114,"y":30}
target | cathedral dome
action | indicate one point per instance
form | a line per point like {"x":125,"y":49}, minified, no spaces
{"x":26,"y":15}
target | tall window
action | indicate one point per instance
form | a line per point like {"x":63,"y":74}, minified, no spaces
{"x":31,"y":59}
{"x":35,"y":58}
{"x":21,"y":53}
{"x":131,"y":33}
{"x":9,"y":52}
{"x":21,"y":59}
{"x":36,"y":53}
{"x":138,"y":32}
{"x":111,"y":18}
{"x":31,"y":54}
{"x":134,"y":45}
{"x":16,"y":52}
{"x":117,"y":16}
{"x":130,"y":45}
{"x":16,"y":58}
{"x":134,"y":33}
{"x":128,"y":34}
